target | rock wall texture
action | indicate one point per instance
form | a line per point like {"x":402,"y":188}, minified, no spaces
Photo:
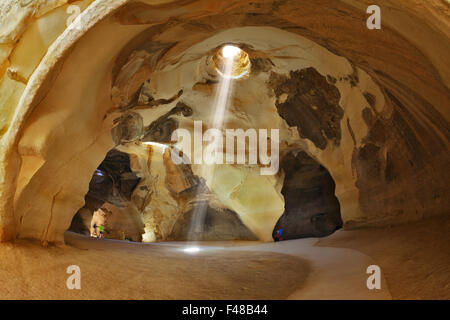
{"x":370,"y":106}
{"x":205,"y":223}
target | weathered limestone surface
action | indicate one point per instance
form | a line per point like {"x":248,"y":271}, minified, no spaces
{"x":377,"y":103}
{"x":205,"y":223}
{"x":119,"y":223}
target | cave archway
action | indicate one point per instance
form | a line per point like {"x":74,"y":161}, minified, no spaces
{"x":311,"y":207}
{"x":108,"y":200}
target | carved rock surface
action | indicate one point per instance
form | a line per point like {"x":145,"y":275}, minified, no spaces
{"x":113,"y":181}
{"x":311,"y":104}
{"x":205,"y":223}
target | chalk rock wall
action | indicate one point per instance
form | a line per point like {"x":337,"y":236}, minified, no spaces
{"x":27,"y":29}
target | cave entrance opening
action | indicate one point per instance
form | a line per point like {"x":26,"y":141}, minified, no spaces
{"x":311,"y":207}
{"x":107,"y":211}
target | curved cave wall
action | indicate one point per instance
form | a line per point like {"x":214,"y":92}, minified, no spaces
{"x":371,"y":106}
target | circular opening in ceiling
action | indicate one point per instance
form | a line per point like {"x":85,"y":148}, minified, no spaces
{"x":232,"y":62}
{"x":230,"y":52}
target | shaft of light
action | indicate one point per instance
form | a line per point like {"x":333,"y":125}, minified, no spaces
{"x":207,"y":171}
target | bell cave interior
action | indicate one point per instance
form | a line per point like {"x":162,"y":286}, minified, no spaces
{"x":225,"y":150}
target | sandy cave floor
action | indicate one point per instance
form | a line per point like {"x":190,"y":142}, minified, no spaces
{"x":415,"y":257}
{"x":298,"y":269}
